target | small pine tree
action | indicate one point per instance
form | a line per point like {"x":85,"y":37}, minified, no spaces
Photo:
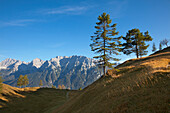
{"x":25,"y":80}
{"x":165,"y":42}
{"x":41,"y":83}
{"x":153,"y":48}
{"x":160,"y":46}
{"x":20,"y":81}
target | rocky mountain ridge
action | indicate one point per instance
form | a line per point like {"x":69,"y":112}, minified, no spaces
{"x":73,"y":72}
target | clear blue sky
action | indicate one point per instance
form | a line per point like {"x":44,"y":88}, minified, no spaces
{"x":44,"y":29}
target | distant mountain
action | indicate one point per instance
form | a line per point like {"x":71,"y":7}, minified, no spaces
{"x":73,"y":72}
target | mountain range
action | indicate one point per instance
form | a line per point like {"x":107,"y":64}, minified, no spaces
{"x":73,"y":72}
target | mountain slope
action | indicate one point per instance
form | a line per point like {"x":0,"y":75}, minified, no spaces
{"x":141,"y":86}
{"x":73,"y":72}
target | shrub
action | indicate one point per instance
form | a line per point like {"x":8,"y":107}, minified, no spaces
{"x":80,"y":88}
{"x":112,"y":72}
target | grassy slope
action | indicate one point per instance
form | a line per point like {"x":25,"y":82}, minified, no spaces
{"x":30,"y":100}
{"x":141,"y":86}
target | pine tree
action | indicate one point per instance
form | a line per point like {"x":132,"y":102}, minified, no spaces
{"x":25,"y":80}
{"x":41,"y":83}
{"x":135,"y":42}
{"x":104,"y":44}
{"x":20,"y":81}
{"x":160,"y":46}
{"x":153,"y":48}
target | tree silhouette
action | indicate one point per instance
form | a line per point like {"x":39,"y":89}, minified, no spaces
{"x":165,"y":42}
{"x":153,"y":48}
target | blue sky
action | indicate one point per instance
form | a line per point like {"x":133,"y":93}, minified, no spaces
{"x":45,"y":29}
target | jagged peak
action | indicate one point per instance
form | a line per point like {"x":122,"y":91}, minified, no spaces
{"x":37,"y":59}
{"x":10,"y":59}
{"x":59,"y":57}
{"x":7,"y":62}
{"x":37,"y":62}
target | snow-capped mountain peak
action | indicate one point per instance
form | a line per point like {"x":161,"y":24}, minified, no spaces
{"x":73,"y":71}
{"x":37,"y":62}
{"x":7,"y":62}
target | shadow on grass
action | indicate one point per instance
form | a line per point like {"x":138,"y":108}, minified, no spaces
{"x":35,"y":101}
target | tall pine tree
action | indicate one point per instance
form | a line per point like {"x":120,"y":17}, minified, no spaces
{"x":104,"y":43}
{"x":135,"y":42}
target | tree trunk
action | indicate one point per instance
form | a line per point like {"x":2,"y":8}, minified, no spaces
{"x":104,"y":66}
{"x":104,"y":70}
{"x":137,"y":52}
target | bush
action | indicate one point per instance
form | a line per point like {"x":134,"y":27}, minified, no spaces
{"x":112,"y":72}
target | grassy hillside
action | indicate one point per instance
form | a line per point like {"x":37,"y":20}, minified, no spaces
{"x":141,"y":86}
{"x":31,"y":100}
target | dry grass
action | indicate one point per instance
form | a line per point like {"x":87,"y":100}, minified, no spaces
{"x":31,"y":100}
{"x":13,"y":91}
{"x":141,"y":86}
